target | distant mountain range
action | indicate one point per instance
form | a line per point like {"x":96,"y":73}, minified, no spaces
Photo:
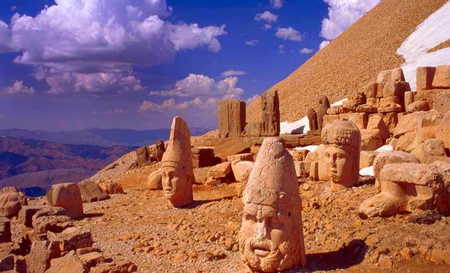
{"x":101,"y":137}
{"x":35,"y":165}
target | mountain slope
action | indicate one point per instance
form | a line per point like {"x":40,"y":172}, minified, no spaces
{"x":33,"y":163}
{"x":100,"y":137}
{"x":352,"y":60}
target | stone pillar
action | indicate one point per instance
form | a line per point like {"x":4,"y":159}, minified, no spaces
{"x":271,"y":114}
{"x":231,"y":115}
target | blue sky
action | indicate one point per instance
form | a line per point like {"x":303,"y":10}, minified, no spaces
{"x":135,"y":64}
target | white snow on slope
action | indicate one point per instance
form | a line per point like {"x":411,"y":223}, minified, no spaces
{"x":429,"y":34}
{"x":301,"y":126}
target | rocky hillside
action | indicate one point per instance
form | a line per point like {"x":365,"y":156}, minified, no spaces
{"x":26,"y":163}
{"x":351,"y":60}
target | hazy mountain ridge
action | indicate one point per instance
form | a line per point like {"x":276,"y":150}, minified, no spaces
{"x":101,"y":137}
{"x":35,"y":163}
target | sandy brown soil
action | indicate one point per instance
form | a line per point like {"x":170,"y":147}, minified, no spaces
{"x":139,"y":226}
{"x":352,"y":60}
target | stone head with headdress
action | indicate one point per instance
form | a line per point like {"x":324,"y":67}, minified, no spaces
{"x":176,"y":165}
{"x":343,"y":145}
{"x":271,"y":235}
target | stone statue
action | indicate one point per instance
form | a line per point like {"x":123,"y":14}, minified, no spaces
{"x":324,"y":105}
{"x":176,"y":166}
{"x":160,"y":149}
{"x":342,"y":141}
{"x":271,"y":235}
{"x":67,"y":196}
{"x":312,"y":117}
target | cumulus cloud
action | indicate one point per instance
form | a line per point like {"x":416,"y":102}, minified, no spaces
{"x":250,"y":100}
{"x":105,"y":35}
{"x":169,"y":105}
{"x":5,"y":40}
{"x":306,"y":50}
{"x":230,"y":73}
{"x":116,"y":111}
{"x":288,"y":34}
{"x":342,"y":14}
{"x":266,"y":16}
{"x":201,"y":85}
{"x":96,"y":83}
{"x":323,"y":44}
{"x":19,"y":88}
{"x":277,"y":4}
{"x":252,"y":42}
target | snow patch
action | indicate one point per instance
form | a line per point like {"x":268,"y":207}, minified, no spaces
{"x":301,"y":126}
{"x":368,"y":171}
{"x":429,"y":34}
{"x":310,"y":148}
{"x":385,"y":148}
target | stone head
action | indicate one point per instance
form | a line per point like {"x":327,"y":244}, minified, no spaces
{"x":323,"y":100}
{"x":271,"y":235}
{"x":342,"y":140}
{"x":176,"y":167}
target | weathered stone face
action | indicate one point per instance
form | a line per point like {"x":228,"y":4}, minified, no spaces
{"x":177,"y":170}
{"x":271,"y":235}
{"x":342,"y":141}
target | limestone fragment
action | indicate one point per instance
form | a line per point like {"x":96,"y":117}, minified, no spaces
{"x":424,"y":78}
{"x":271,"y":114}
{"x":91,"y":192}
{"x":67,"y":196}
{"x":11,"y":201}
{"x":271,"y":235}
{"x":442,"y":77}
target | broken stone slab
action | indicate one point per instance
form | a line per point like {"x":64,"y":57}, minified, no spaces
{"x":367,"y":158}
{"x":442,"y":77}
{"x":240,"y":157}
{"x":442,"y":132}
{"x":411,"y":187}
{"x":12,"y":263}
{"x":253,"y":129}
{"x":442,"y":102}
{"x":424,"y":78}
{"x":5,"y":230}
{"x":270,"y":106}
{"x":111,"y":187}
{"x":50,"y":219}
{"x":42,"y":252}
{"x":371,"y":139}
{"x":302,"y":168}
{"x":429,"y":151}
{"x":231,"y":118}
{"x":387,"y":157}
{"x":26,"y":214}
{"x":232,"y":147}
{"x":72,"y":238}
{"x":376,"y":122}
{"x":91,"y":259}
{"x":69,"y":263}
{"x":219,"y":174}
{"x":67,"y":196}
{"x":114,"y":267}
{"x":11,"y":201}
{"x":409,"y":98}
{"x":396,"y":89}
{"x":393,"y":75}
{"x":203,"y":157}
{"x":91,"y":192}
{"x":241,"y":170}
{"x":417,"y":106}
{"x":300,"y":155}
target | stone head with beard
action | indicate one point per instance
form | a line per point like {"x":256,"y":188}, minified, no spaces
{"x":271,"y":235}
{"x":342,"y":140}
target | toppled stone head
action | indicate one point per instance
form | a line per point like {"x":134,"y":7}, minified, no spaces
{"x":271,"y":235}
{"x":176,"y":166}
{"x":342,"y":140}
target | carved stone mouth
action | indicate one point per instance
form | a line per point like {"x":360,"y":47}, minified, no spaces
{"x":261,"y":249}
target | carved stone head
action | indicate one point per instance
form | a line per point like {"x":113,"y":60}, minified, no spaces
{"x":342,"y":140}
{"x":176,"y":167}
{"x":271,"y":235}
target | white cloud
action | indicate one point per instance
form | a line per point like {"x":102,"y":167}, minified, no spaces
{"x":170,"y":105}
{"x":13,"y":8}
{"x":116,"y":111}
{"x":18,"y":87}
{"x":342,"y":14}
{"x":306,"y":50}
{"x":266,"y":16}
{"x":277,"y":4}
{"x":204,"y":86}
{"x":267,"y":26}
{"x":230,"y":73}
{"x":323,"y":44}
{"x":252,"y":42}
{"x":97,"y":83}
{"x":288,"y":34}
{"x":5,"y":40}
{"x":105,"y":35}
{"x":281,"y":49}
{"x":250,"y":100}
